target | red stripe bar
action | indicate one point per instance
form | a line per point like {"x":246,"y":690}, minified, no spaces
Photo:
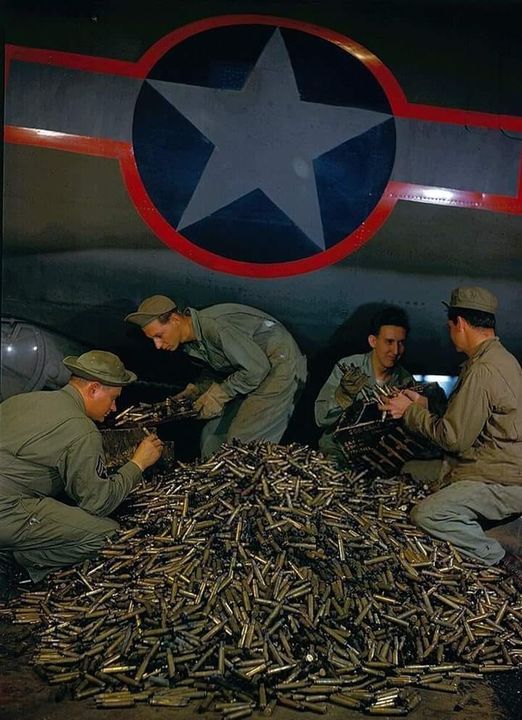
{"x":454,"y":116}
{"x":70,"y":143}
{"x":455,"y":198}
{"x":75,"y":61}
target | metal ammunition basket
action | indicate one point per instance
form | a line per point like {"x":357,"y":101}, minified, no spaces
{"x":378,"y":445}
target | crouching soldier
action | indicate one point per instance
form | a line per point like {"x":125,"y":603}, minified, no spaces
{"x":49,"y":445}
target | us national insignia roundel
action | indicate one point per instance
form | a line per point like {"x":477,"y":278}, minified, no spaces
{"x":262,"y":144}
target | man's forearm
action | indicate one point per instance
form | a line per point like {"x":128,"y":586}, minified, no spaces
{"x":437,"y":429}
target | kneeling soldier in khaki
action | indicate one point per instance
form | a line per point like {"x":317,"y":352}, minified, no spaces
{"x":481,"y":432}
{"x":49,"y":445}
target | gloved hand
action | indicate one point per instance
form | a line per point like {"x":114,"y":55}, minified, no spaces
{"x":351,"y":384}
{"x":211,"y":403}
{"x":191,"y":392}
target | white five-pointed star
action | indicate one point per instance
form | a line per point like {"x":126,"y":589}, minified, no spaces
{"x":265,"y":137}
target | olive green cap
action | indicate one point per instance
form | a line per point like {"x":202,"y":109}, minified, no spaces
{"x":150,"y":309}
{"x":105,"y":367}
{"x":473,"y":298}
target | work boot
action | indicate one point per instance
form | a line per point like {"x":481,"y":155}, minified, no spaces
{"x":512,"y":565}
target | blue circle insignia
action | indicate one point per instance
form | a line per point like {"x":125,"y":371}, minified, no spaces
{"x":261,"y":143}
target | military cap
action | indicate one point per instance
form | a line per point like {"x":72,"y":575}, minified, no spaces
{"x":150,"y":309}
{"x":105,"y":367}
{"x":473,"y":298}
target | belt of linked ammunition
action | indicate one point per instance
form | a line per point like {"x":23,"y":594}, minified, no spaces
{"x":167,"y":410}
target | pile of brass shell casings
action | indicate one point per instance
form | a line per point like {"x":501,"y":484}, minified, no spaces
{"x":265,"y":576}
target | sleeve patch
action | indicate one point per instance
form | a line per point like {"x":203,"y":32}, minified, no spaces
{"x":101,"y":468}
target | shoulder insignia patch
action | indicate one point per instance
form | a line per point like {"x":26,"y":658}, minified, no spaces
{"x":101,"y":468}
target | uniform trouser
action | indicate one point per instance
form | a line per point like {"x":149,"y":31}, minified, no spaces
{"x":43,"y":534}
{"x":262,"y":415}
{"x":427,"y":472}
{"x":453,"y":514}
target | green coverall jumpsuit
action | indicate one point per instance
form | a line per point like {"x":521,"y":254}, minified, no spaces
{"x":49,"y":447}
{"x":262,"y":370}
{"x":327,"y":409}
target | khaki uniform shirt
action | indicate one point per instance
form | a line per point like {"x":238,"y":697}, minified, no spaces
{"x":48,"y":445}
{"x":244,"y":344}
{"x":328,"y":410}
{"x":482,"y":426}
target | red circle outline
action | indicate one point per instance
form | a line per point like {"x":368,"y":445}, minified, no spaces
{"x":176,"y":241}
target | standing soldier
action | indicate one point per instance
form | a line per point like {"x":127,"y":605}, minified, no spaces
{"x":258,"y":367}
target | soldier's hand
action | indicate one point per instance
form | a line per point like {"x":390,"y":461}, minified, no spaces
{"x":416,"y":397}
{"x":190,"y":392}
{"x":396,"y":406}
{"x":148,"y":452}
{"x":211,"y":403}
{"x":350,"y":385}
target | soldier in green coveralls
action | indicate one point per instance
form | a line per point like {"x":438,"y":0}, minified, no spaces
{"x":258,"y":367}
{"x":388,"y":334}
{"x":481,"y":432}
{"x":49,"y":445}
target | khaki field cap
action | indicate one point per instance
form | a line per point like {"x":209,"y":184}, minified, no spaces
{"x":150,"y":309}
{"x":473,"y":298}
{"x":99,"y":365}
